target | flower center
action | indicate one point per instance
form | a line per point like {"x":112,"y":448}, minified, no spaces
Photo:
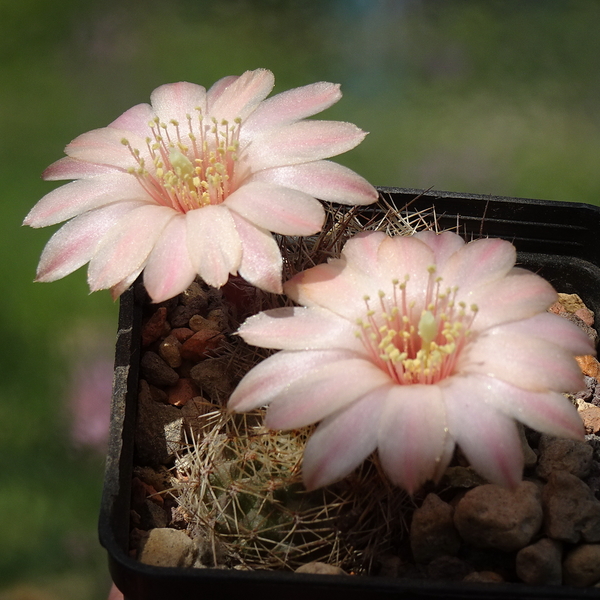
{"x":415,"y":348}
{"x":190,"y":169}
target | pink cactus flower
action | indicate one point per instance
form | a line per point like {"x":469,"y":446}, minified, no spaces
{"x":410,"y":346}
{"x":194,"y":183}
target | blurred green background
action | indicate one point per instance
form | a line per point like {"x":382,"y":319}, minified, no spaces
{"x":498,"y":97}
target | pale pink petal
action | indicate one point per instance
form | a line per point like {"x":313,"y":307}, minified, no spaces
{"x":549,"y":412}
{"x":361,"y":252}
{"x":125,"y":284}
{"x":175,"y":101}
{"x":443,"y":244}
{"x":104,"y":146}
{"x":292,"y":105}
{"x":552,"y":328}
{"x":517,"y":296}
{"x":271,"y":377}
{"x":330,"y":286}
{"x":406,"y":259}
{"x":526,"y":362}
{"x":324,"y":180}
{"x":135,"y":119}
{"x":241,"y":97}
{"x":323,"y":391}
{"x":127,"y":245}
{"x":261,"y":258}
{"x":217,"y":88}
{"x":213,"y":244}
{"x":342,"y":441}
{"x":278,"y":209}
{"x":301,"y":142}
{"x":82,"y":195}
{"x":70,"y":168}
{"x":412,"y":434}
{"x":479,"y":262}
{"x":169,"y":271}
{"x":488,"y":438}
{"x":300,"y":328}
{"x":75,"y":243}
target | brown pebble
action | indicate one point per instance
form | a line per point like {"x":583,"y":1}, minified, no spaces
{"x":198,"y":323}
{"x":319,"y":568}
{"x":182,"y":334}
{"x":156,"y":370}
{"x":182,"y":392}
{"x":170,"y":351}
{"x":196,"y":347}
{"x":591,"y":419}
{"x":154,"y":327}
{"x":589,"y":366}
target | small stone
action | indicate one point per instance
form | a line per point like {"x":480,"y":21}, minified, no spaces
{"x":198,"y":323}
{"x":589,"y":365}
{"x":170,"y":351}
{"x":196,"y":347}
{"x":490,"y":516}
{"x":390,"y":566}
{"x":182,"y":334}
{"x":559,"y":454}
{"x":153,"y":516}
{"x":572,"y":513}
{"x":156,"y":370}
{"x":182,"y":392}
{"x":167,"y":548}
{"x":462,"y":477}
{"x":319,"y":568}
{"x":432,"y":531}
{"x":448,"y":568}
{"x":193,"y":411}
{"x":591,"y":419}
{"x":159,"y":429}
{"x":154,"y":327}
{"x":484,"y":577}
{"x":213,"y":377}
{"x":540,"y":563}
{"x":196,"y":296}
{"x":181,"y":315}
{"x":581,"y":566}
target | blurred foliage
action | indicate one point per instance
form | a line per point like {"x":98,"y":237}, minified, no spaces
{"x":497,"y":97}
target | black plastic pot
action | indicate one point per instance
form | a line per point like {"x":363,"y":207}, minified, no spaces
{"x":557,"y":239}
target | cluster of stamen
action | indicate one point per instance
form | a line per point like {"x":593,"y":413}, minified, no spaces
{"x":414,"y":348}
{"x":192,"y":170}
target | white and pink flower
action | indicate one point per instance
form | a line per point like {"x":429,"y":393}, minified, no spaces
{"x":194,"y":183}
{"x":410,"y":346}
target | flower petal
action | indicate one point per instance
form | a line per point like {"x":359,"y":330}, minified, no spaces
{"x":175,"y":101}
{"x":292,"y":105}
{"x":271,"y":377}
{"x":301,"y":142}
{"x":278,"y":209}
{"x":324,"y":180}
{"x":261,"y":263}
{"x":530,"y":363}
{"x":241,"y":97}
{"x":299,"y":328}
{"x":70,"y":168}
{"x":123,"y":285}
{"x":104,"y":146}
{"x":489,"y":439}
{"x":75,"y":243}
{"x":547,"y":412}
{"x":323,"y":391}
{"x":123,"y":250}
{"x":517,"y":296}
{"x":412,"y":435}
{"x":135,"y":119}
{"x":213,"y":243}
{"x":79,"y":196}
{"x":479,"y":262}
{"x":443,"y":244}
{"x":551,"y":328}
{"x":328,"y":457}
{"x":169,"y":271}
